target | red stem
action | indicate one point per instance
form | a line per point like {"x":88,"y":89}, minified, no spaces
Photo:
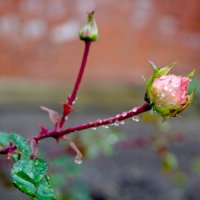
{"x":72,"y":97}
{"x":7,"y":149}
{"x":119,"y":117}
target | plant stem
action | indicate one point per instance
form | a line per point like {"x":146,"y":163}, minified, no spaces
{"x":72,"y":97}
{"x":119,"y":117}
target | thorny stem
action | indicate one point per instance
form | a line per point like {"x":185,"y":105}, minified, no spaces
{"x":58,"y":134}
{"x":7,"y":149}
{"x":119,"y":117}
{"x":72,"y":97}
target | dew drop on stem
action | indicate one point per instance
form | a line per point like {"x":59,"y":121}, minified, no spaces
{"x":136,"y":118}
{"x":124,"y":114}
{"x":116,"y":123}
{"x":122,"y":122}
{"x":78,"y":160}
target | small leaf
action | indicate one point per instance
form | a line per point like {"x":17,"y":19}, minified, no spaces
{"x":45,"y":191}
{"x":39,"y":169}
{"x":21,"y":144}
{"x":53,"y":115}
{"x":27,"y":174}
{"x":22,"y":177}
{"x":4,"y":139}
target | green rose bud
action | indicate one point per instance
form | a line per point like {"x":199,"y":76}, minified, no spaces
{"x":89,"y":32}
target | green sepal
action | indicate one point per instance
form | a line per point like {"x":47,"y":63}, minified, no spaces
{"x":89,"y":32}
{"x":191,"y":74}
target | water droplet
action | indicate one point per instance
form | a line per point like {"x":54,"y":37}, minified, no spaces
{"x":183,"y":96}
{"x":118,"y":116}
{"x":78,"y":159}
{"x":175,"y":82}
{"x":66,"y":118}
{"x":162,"y":94}
{"x":94,"y":128}
{"x":99,"y":121}
{"x":134,"y":110}
{"x":116,"y":123}
{"x":166,"y":88}
{"x":122,"y":122}
{"x":136,"y":118}
{"x":173,"y":94}
{"x":170,"y":89}
{"x":124,"y":114}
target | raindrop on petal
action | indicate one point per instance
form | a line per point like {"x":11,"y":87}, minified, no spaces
{"x":173,"y":94}
{"x":175,"y":82}
{"x":162,"y":94}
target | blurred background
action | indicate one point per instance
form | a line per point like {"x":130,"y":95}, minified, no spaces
{"x":40,"y":54}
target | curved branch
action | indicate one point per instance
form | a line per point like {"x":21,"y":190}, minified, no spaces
{"x":119,"y":117}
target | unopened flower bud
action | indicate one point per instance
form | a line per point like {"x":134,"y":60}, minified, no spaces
{"x":89,"y":32}
{"x":168,"y":94}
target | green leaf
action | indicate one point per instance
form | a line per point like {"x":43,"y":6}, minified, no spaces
{"x":22,"y":177}
{"x":21,"y":144}
{"x":4,"y":139}
{"x":44,"y":191}
{"x":27,"y":174}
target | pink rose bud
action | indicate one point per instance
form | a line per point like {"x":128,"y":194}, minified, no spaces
{"x":170,"y":90}
{"x":168,"y":94}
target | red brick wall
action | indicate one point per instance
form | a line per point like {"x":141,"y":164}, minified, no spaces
{"x":38,"y":38}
